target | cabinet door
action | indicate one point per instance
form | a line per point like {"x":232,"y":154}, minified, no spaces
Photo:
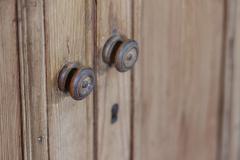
{"x":53,"y":33}
{"x":179,"y":102}
{"x":185,"y":46}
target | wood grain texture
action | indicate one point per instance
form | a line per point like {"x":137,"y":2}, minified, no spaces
{"x":10,"y":106}
{"x":68,"y":27}
{"x":137,"y":93}
{"x":113,"y":140}
{"x":33,"y":79}
{"x":231,"y":120}
{"x":181,"y":74}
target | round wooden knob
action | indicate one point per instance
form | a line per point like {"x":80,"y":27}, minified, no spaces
{"x":79,"y":81}
{"x":121,"y":52}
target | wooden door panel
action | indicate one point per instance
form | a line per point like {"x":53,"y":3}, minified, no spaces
{"x":180,"y":69}
{"x":53,"y":33}
{"x":69,"y":121}
{"x":10,"y":104}
{"x":113,"y":87}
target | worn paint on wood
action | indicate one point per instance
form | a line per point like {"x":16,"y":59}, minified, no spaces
{"x":181,"y":76}
{"x":10,"y":121}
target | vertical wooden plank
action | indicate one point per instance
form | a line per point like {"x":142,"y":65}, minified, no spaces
{"x":181,"y":73}
{"x":235,"y":118}
{"x":113,"y":87}
{"x":33,"y":79}
{"x":10,"y":119}
{"x":70,"y":123}
{"x":137,"y":93}
{"x":231,"y":120}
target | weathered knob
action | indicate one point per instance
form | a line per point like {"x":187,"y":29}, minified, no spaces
{"x":121,"y":52}
{"x":79,"y":81}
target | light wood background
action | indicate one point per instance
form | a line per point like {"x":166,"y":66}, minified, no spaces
{"x":181,"y":79}
{"x":179,"y":103}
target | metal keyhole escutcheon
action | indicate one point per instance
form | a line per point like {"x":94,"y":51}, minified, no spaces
{"x":78,"y":80}
{"x":121,"y":52}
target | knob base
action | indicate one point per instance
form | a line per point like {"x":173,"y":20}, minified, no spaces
{"x":65,"y":75}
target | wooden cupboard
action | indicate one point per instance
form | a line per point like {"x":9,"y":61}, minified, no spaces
{"x":180,"y":102}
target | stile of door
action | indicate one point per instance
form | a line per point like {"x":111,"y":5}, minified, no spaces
{"x":33,"y":79}
{"x":68,"y":34}
{"x":137,"y":94}
{"x":230,"y":132}
{"x":113,"y":87}
{"x":10,"y":104}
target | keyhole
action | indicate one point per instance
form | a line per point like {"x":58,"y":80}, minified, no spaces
{"x":115,"y":109}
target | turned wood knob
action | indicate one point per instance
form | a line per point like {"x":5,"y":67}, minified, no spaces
{"x":121,"y":52}
{"x":77,"y":80}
